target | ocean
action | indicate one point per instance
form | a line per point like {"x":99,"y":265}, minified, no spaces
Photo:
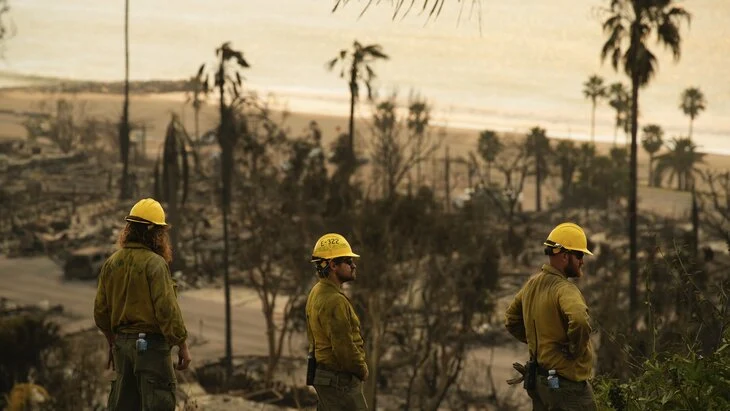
{"x":506,"y":66}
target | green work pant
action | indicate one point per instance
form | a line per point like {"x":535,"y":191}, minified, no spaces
{"x":144,"y":381}
{"x":570,"y":396}
{"x":338,"y":391}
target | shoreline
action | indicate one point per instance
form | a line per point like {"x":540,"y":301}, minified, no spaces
{"x":153,"y":110}
{"x":315,"y":104}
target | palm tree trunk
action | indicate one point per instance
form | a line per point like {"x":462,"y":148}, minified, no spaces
{"x":593,"y":123}
{"x":538,"y":179}
{"x":197,"y":125}
{"x":680,"y":178}
{"x":124,"y":126}
{"x":351,"y":126}
{"x":695,"y":226}
{"x":227,"y":295}
{"x":633,"y":247}
{"x":691,"y":120}
{"x":651,"y":164}
{"x":226,"y":169}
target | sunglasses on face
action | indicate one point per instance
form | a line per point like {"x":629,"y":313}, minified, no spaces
{"x":347,"y":261}
{"x":578,"y":254}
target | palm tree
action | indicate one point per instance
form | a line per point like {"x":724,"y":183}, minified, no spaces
{"x":196,"y":95}
{"x":594,"y":90}
{"x":538,"y":147}
{"x":629,"y":25}
{"x":358,"y":62}
{"x":489,"y":148}
{"x":652,"y":141}
{"x":680,"y":162}
{"x":619,"y":100}
{"x":692,"y":103}
{"x":229,"y":82}
{"x":124,"y":192}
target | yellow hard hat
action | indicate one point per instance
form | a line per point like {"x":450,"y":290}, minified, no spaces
{"x":147,"y":211}
{"x":568,"y":236}
{"x":331,"y":246}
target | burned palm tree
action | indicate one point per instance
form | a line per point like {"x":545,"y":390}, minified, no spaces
{"x":171,"y":184}
{"x":357,"y":63}
{"x":124,"y":127}
{"x":228,"y":81}
{"x":196,"y":93}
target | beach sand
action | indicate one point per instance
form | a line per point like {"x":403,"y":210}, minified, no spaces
{"x":154,"y":111}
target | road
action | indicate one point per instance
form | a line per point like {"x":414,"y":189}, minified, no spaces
{"x":33,"y":280}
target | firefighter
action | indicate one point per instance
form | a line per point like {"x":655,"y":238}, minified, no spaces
{"x":550,"y":315}
{"x":136,"y":308}
{"x":337,"y":365}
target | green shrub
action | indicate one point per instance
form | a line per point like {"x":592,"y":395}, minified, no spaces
{"x":679,"y":381}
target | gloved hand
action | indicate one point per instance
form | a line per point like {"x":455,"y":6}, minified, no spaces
{"x":521,"y":369}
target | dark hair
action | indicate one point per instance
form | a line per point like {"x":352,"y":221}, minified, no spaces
{"x":153,"y":236}
{"x":322,"y":267}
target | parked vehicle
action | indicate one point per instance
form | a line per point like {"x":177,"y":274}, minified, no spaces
{"x":85,"y":263}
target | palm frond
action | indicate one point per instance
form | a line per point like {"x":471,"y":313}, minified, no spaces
{"x":370,"y":90}
{"x":668,"y":35}
{"x":645,"y":64}
{"x":331,"y":64}
{"x":370,"y":73}
{"x":374,"y":50}
{"x":616,"y":57}
{"x":612,"y":23}
{"x":612,"y":46}
{"x":364,"y":9}
{"x":676,"y":14}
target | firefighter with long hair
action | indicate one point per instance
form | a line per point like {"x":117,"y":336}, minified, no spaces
{"x":136,"y":308}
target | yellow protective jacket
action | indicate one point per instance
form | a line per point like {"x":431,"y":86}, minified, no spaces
{"x":333,"y":323}
{"x":136,"y":293}
{"x":550,"y":313}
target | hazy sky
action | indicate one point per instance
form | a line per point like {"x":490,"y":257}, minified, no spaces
{"x":525,"y":63}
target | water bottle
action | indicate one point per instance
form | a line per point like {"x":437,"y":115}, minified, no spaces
{"x":553,"y":381}
{"x":141,"y":343}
